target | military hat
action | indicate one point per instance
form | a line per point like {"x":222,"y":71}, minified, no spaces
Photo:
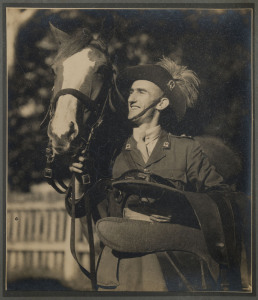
{"x":177,"y":82}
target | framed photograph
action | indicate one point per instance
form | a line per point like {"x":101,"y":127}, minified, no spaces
{"x":128,"y":148}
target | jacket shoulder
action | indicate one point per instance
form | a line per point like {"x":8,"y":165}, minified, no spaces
{"x":180,"y":137}
{"x":184,"y":140}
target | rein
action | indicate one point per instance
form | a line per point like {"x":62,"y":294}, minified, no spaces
{"x":98,"y":108}
{"x":58,"y":184}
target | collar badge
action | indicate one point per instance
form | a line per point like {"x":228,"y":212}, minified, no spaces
{"x":166,"y":145}
{"x":127,"y":146}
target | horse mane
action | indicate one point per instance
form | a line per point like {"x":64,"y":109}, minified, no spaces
{"x":74,"y":44}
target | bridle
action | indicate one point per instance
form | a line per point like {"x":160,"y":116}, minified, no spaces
{"x":98,"y":107}
{"x":84,"y":99}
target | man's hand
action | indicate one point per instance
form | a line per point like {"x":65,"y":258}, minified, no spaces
{"x":77,"y":168}
{"x":160,"y":219}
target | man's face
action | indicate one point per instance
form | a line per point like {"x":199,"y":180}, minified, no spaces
{"x":142,"y":94}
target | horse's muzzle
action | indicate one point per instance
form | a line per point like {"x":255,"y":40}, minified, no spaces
{"x":61,"y":139}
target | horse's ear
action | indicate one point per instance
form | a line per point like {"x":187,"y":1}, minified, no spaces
{"x":107,"y":30}
{"x":60,"y":36}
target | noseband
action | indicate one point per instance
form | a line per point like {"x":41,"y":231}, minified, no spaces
{"x":95,"y":106}
{"x":84,"y":99}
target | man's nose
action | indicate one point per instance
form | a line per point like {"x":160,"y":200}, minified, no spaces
{"x":131,"y":98}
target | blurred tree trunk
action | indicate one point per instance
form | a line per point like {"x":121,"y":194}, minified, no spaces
{"x":15,"y":18}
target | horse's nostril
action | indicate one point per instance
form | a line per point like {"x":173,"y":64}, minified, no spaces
{"x":73,"y":131}
{"x":72,"y":127}
{"x":60,"y":149}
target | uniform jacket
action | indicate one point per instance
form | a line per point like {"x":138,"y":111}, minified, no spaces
{"x":179,"y":159}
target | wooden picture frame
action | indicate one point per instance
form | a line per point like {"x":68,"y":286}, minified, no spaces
{"x":25,"y":25}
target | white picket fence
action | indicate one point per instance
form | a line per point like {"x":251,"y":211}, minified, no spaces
{"x":38,"y":242}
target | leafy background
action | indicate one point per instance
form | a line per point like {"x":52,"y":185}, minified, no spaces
{"x":216,"y":44}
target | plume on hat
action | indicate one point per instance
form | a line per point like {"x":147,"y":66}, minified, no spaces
{"x":186,"y":79}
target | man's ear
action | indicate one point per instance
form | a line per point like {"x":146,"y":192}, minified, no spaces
{"x":164,"y":103}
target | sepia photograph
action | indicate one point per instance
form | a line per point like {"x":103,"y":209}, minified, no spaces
{"x":129,"y":149}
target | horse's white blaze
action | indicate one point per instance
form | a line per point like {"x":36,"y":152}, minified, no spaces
{"x":75,"y":69}
{"x":64,"y":115}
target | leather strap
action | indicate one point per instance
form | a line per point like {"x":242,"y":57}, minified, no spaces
{"x":120,"y":105}
{"x":90,"y":104}
{"x":209,"y":217}
{"x":54,"y":185}
{"x":147,"y":108}
{"x":92,"y":274}
{"x":167,"y":262}
{"x":53,"y":180}
{"x":228,"y":222}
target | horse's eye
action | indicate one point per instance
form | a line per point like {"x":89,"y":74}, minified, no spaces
{"x":99,"y":71}
{"x":102,"y":70}
{"x":100,"y":75}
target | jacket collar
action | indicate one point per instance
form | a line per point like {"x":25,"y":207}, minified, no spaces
{"x":157,"y":154}
{"x":131,"y":145}
{"x":159,"y":150}
{"x":150,"y":134}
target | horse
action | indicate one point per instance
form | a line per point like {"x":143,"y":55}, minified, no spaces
{"x":82,"y":94}
{"x":85,"y":109}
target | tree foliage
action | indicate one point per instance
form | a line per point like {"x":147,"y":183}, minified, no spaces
{"x":216,"y":44}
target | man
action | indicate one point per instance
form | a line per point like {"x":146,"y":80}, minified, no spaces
{"x":155,"y":91}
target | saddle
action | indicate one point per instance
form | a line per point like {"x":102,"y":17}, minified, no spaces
{"x":200,"y":223}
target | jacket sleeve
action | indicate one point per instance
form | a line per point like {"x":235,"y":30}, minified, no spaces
{"x":201,"y":173}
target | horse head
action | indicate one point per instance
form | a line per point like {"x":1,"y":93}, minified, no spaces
{"x":83,"y":75}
